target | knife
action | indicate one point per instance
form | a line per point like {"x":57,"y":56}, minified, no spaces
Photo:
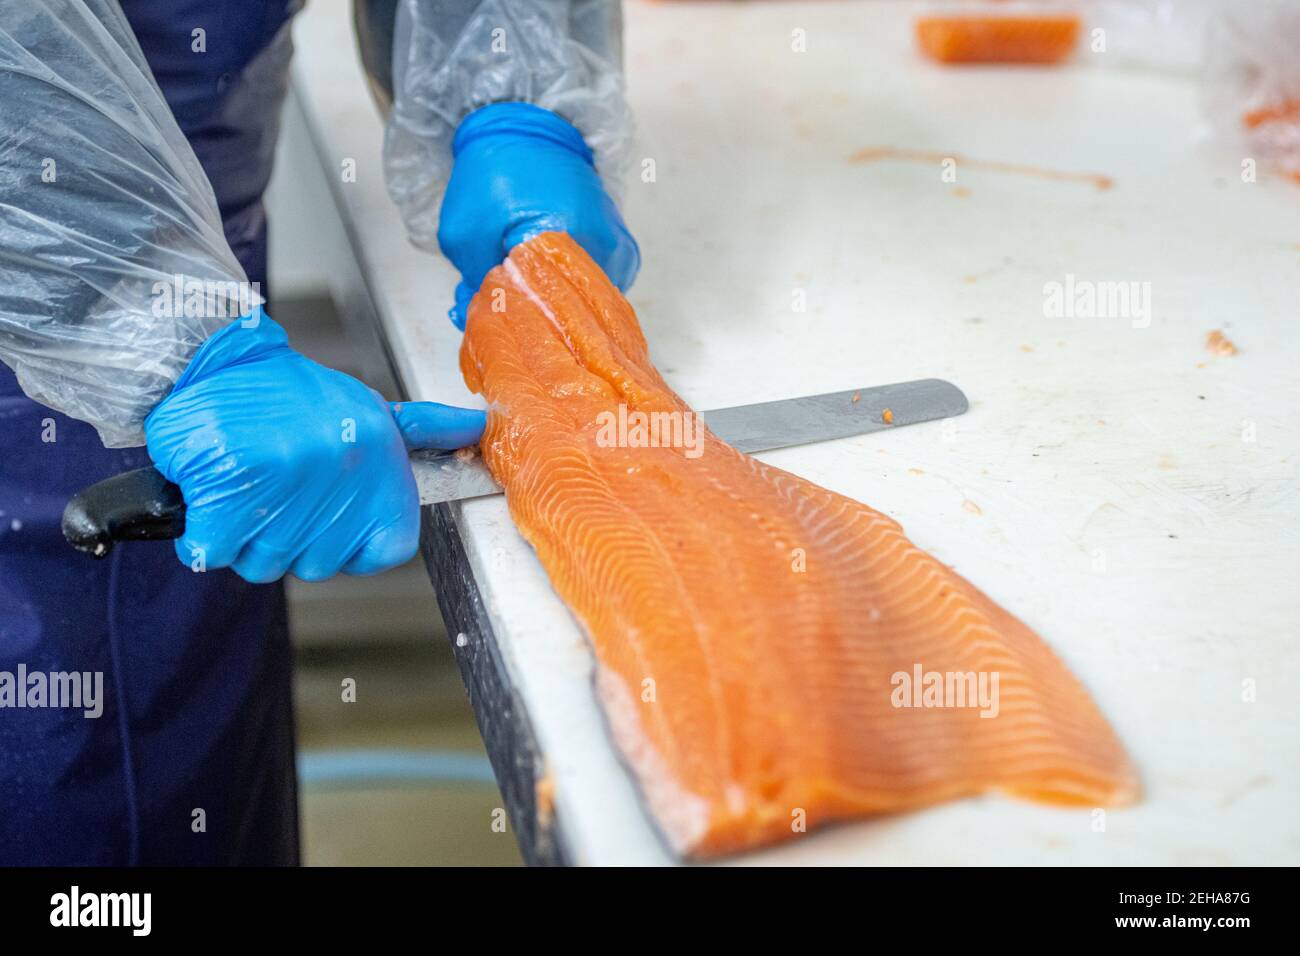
{"x":142,"y":505}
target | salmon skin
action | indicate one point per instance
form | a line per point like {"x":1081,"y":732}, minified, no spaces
{"x":998,"y":39}
{"x":771,"y":656}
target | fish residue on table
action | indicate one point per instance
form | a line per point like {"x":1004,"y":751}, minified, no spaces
{"x":1219,"y":344}
{"x":873,"y":154}
{"x":771,"y":656}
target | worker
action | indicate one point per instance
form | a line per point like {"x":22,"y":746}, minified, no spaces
{"x":136,"y":140}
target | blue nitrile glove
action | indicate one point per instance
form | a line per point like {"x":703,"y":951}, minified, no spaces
{"x":521,"y":170}
{"x":286,"y":465}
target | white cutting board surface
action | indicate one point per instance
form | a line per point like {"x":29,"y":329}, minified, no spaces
{"x":1102,"y":486}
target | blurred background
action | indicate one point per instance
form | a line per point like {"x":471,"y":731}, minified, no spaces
{"x":398,"y":777}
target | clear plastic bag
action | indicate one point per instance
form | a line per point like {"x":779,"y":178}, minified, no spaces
{"x":452,"y":56}
{"x":113,"y":264}
{"x":1251,"y":81}
{"x":1159,"y":35}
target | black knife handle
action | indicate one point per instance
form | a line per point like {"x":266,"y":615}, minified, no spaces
{"x":138,"y":505}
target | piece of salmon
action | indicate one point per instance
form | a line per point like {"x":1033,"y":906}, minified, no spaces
{"x":767,"y":650}
{"x":1047,"y":38}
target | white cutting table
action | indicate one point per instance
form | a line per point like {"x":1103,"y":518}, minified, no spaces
{"x":1132,"y":497}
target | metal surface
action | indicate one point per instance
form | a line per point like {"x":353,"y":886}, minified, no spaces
{"x":763,"y":426}
{"x":451,"y":476}
{"x":800,"y":421}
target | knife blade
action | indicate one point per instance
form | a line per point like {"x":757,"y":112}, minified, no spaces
{"x":142,"y":505}
{"x":762,"y":426}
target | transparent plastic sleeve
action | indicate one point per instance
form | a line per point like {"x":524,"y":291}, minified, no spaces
{"x":452,"y":56}
{"x":113,"y":264}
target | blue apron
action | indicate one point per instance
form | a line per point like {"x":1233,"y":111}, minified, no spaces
{"x":191,"y":759}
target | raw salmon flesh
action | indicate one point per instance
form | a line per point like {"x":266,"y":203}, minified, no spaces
{"x":770,"y":656}
{"x":998,"y":38}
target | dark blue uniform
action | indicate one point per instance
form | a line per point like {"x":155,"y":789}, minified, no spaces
{"x":197,"y":694}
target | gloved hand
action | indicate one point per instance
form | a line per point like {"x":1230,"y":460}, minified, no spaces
{"x":521,"y":170}
{"x":286,"y":465}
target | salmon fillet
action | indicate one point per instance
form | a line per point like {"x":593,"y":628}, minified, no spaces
{"x":998,"y":39}
{"x":762,"y":644}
